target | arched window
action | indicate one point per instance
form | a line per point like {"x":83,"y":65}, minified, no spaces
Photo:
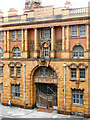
{"x":1,"y":53}
{"x":78,"y":52}
{"x":16,"y":52}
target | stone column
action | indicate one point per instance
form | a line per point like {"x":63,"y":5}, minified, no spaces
{"x":78,"y":31}
{"x":67,"y":39}
{"x":35,"y":43}
{"x":23,"y":41}
{"x":88,"y":37}
{"x":52,"y":42}
{"x":5,"y":41}
{"x":63,"y":38}
{"x":7,"y":45}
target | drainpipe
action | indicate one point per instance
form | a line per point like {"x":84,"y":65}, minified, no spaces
{"x":24,"y":82}
{"x":64,"y":65}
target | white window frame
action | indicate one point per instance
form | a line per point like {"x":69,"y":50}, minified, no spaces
{"x":18,"y":71}
{"x":13,"y":35}
{"x":82,"y":74}
{"x":73,"y":73}
{"x":16,"y":52}
{"x":47,"y":33}
{"x":19,"y":35}
{"x":82,"y":31}
{"x":1,"y":71}
{"x":76,"y":97}
{"x":15,"y":91}
{"x":78,"y":52}
{"x":12,"y":71}
{"x":1,"y":52}
{"x":46,"y":52}
{"x":74,"y":31}
{"x":2,"y":36}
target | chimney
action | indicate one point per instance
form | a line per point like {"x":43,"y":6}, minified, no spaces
{"x":67,"y":4}
{"x":12,"y":12}
{"x":1,"y":13}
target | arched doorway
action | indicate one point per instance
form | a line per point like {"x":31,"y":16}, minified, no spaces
{"x":46,"y":81}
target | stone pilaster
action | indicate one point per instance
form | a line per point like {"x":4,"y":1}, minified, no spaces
{"x":63,"y":38}
{"x":67,"y":39}
{"x":52,"y":42}
{"x":35,"y":43}
{"x":7,"y":44}
{"x":88,"y":37}
{"x":5,"y":41}
{"x":25,"y":44}
{"x":78,"y":31}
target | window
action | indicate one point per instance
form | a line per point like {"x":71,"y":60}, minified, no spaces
{"x":13,"y":35}
{"x":15,"y":90}
{"x":77,"y":96}
{"x":1,"y":70}
{"x":2,"y":36}
{"x":46,"y":52}
{"x":18,"y":71}
{"x":82,"y":74}
{"x":46,"y":33}
{"x":73,"y":31}
{"x":78,"y":52}
{"x":12,"y":71}
{"x":19,"y":35}
{"x":73,"y":73}
{"x":1,"y":87}
{"x":16,"y":52}
{"x":82,"y":31}
{"x":1,"y":53}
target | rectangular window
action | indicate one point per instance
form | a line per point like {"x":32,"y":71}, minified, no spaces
{"x":12,"y":71}
{"x":82,"y":31}
{"x":46,"y":52}
{"x":73,"y":73}
{"x":18,"y":71}
{"x":13,"y":35}
{"x":46,"y":33}
{"x":82,"y":74}
{"x":73,"y":31}
{"x":2,"y":36}
{"x":41,"y":34}
{"x":1,"y":70}
{"x":1,"y":87}
{"x":15,"y":90}
{"x":77,"y":96}
{"x":19,"y":35}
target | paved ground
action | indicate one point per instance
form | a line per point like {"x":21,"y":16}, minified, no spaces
{"x":15,"y":112}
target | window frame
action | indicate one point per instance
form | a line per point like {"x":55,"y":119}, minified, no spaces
{"x":18,"y":71}
{"x":46,"y":52}
{"x":1,"y":87}
{"x":82,"y":74}
{"x":16,"y":91}
{"x":1,"y":71}
{"x":1,"y":52}
{"x":16,"y":52}
{"x":2,"y":36}
{"x":76,"y":97}
{"x":82,"y":31}
{"x":13,"y":35}
{"x":74,"y":31}
{"x":11,"y":71}
{"x":73,"y":73}
{"x":19,"y":35}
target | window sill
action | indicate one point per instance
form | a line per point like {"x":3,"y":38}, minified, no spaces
{"x":16,"y":98}
{"x":72,"y":79}
{"x":83,"y":80}
{"x":78,"y":105}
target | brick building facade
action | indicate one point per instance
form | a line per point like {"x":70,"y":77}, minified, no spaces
{"x":44,"y":58}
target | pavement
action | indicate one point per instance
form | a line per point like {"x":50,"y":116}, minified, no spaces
{"x":16,"y":112}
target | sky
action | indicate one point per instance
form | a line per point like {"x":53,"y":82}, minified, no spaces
{"x":5,"y":5}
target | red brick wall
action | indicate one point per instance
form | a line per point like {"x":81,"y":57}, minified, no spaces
{"x":15,"y":44}
{"x":82,"y":41}
{"x":58,"y":33}
{"x":31,"y":34}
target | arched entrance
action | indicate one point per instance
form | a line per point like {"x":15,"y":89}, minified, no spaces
{"x":46,"y":81}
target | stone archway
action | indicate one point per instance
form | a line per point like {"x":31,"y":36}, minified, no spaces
{"x":45,"y":79}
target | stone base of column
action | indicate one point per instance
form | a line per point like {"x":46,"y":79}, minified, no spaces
{"x":24,"y":55}
{"x":53,"y":54}
{"x":6,"y":55}
{"x":36,"y":54}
